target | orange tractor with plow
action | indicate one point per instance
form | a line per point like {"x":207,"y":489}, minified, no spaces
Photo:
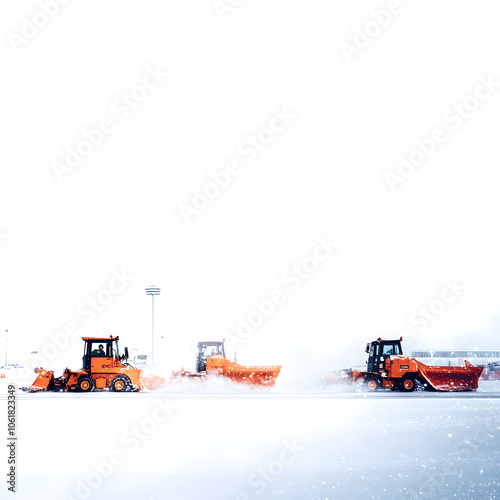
{"x":388,"y":368}
{"x":211,"y":360}
{"x":103,"y":368}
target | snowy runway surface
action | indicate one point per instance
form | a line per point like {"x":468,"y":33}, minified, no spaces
{"x":321,"y":395}
{"x":252,"y":444}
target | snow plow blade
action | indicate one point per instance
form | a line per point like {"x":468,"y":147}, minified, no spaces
{"x":152,"y":382}
{"x":44,"y":381}
{"x":451,"y":378}
{"x":255,"y":375}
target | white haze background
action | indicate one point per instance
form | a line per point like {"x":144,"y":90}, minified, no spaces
{"x":323,"y":175}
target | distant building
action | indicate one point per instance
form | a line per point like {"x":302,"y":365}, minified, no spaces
{"x":490,"y":360}
{"x":11,"y":366}
{"x":141,"y":360}
{"x":6,"y":369}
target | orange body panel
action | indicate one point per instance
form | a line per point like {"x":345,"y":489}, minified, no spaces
{"x":101,"y":363}
{"x":100,"y":382}
{"x":399,"y":366}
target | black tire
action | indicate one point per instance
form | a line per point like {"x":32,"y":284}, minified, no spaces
{"x":407,"y":384}
{"x":121,"y":384}
{"x":427,"y":387}
{"x":372,"y":383}
{"x":85,"y":384}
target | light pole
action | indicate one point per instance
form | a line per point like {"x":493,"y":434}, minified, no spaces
{"x":152,"y":290}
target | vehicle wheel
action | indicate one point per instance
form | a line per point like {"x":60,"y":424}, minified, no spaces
{"x":372,"y":383}
{"x":407,"y":384}
{"x":85,"y":384}
{"x":427,"y":387}
{"x":120,"y":384}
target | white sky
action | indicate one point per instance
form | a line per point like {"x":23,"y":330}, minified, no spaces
{"x":322,"y":175}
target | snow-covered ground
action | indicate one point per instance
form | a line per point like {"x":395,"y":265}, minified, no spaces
{"x":218,"y":441}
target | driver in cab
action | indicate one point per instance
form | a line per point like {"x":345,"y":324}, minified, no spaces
{"x":99,"y":352}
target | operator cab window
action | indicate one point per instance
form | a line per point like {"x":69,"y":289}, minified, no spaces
{"x":389,"y":349}
{"x":207,"y":351}
{"x":211,"y":350}
{"x":104,"y":352}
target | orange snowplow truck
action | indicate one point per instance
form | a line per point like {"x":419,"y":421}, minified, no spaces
{"x":103,"y":368}
{"x":211,"y":359}
{"x":388,"y":368}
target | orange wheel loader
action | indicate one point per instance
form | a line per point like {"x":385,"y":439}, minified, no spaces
{"x":103,"y":368}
